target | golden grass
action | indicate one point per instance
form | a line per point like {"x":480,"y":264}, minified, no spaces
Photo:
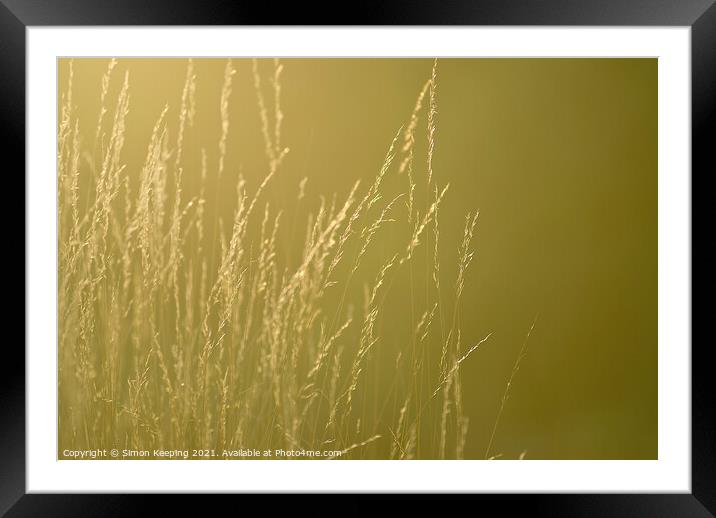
{"x":177,"y":338}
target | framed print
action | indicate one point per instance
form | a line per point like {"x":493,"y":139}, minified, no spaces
{"x":440,"y":250}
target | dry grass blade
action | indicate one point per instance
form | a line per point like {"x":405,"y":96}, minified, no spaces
{"x":515,"y":368}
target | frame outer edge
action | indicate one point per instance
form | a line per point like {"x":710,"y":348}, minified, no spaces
{"x":12,"y":135}
{"x":12,"y":140}
{"x":703,"y":113}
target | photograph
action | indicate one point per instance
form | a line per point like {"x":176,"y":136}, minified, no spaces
{"x":357,"y":258}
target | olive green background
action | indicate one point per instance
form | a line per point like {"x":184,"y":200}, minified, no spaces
{"x":559,"y":156}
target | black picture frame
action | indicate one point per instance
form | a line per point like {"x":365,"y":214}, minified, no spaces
{"x":700,"y":15}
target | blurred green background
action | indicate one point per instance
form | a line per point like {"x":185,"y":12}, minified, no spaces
{"x":559,"y":156}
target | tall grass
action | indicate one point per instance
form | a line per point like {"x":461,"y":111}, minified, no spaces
{"x":180,"y":330}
